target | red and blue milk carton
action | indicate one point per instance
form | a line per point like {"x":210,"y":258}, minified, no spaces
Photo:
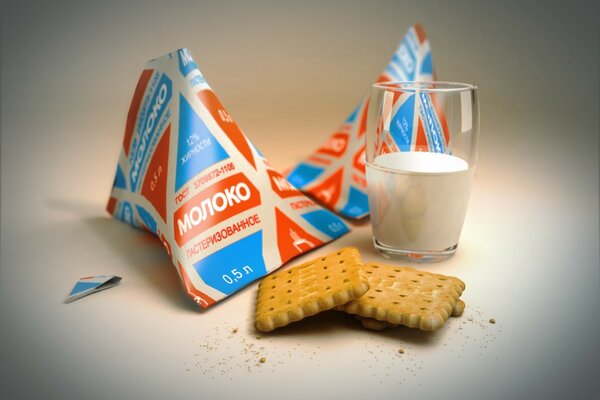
{"x":335,"y":173}
{"x":189,"y":175}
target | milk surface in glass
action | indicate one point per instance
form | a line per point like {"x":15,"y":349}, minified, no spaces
{"x":418,"y":200}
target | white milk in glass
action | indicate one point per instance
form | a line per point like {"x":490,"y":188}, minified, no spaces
{"x":418,"y":200}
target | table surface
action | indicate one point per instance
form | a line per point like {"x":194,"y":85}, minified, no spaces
{"x":528,"y":252}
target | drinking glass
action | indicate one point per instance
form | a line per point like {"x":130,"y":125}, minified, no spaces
{"x":421,"y":151}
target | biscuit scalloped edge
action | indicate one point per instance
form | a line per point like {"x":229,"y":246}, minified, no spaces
{"x":269,"y":324}
{"x":429,"y":322}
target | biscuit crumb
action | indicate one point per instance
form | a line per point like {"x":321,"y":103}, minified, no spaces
{"x":401,"y":351}
{"x":492,"y":321}
{"x":258,"y":337}
{"x":235,"y":330}
{"x":262,"y":360}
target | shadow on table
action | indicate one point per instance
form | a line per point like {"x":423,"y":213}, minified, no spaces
{"x":332,"y":322}
{"x":142,"y":253}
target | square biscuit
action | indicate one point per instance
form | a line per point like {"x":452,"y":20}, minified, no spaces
{"x":307,"y":289}
{"x":407,"y":296}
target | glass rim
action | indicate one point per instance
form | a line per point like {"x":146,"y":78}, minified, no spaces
{"x":421,"y":86}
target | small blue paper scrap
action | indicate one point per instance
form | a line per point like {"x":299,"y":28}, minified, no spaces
{"x":92,"y":284}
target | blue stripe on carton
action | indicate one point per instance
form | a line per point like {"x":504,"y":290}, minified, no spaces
{"x":233,"y":267}
{"x":186,"y":63}
{"x":358,"y":204}
{"x":326,"y":222}
{"x":405,"y":59}
{"x":82,"y":286}
{"x":120,"y":179}
{"x":427,"y":66}
{"x":148,"y":220}
{"x":352,"y":116}
{"x":197,"y":148}
{"x":433,"y":130}
{"x":402,"y":123}
{"x":304,"y":174}
{"x":125,"y":213}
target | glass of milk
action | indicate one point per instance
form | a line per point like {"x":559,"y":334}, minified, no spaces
{"x":421,"y":150}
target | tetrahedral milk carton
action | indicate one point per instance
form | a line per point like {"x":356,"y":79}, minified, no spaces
{"x":335,"y":173}
{"x":189,"y":175}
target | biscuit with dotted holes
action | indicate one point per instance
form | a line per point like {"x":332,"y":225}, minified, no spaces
{"x":307,"y":289}
{"x":374,"y":325}
{"x":407,"y":296}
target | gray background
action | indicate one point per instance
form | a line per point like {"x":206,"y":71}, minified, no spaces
{"x":289,"y":73}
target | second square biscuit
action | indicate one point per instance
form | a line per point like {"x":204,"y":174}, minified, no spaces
{"x":406,"y":296}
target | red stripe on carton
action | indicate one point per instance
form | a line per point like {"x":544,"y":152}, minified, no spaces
{"x":219,"y":202}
